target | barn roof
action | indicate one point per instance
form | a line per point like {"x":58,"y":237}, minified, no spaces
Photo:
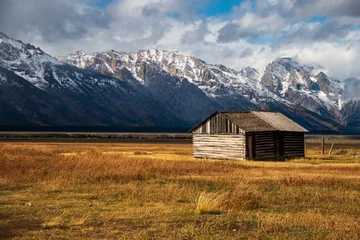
{"x":259,"y":121}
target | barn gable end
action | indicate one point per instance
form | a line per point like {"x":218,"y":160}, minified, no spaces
{"x":217,"y":123}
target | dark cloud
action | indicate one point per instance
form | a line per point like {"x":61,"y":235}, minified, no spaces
{"x":51,"y":20}
{"x":326,"y":7}
{"x":149,"y":10}
{"x":232,"y":32}
{"x":77,"y":25}
{"x":246,"y":53}
{"x":187,"y":9}
{"x":332,"y":30}
{"x":227,"y":52}
{"x":195,"y":36}
{"x":305,"y":32}
{"x":292,"y":9}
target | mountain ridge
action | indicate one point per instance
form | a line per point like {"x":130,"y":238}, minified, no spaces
{"x":217,"y":81}
{"x":70,"y":96}
{"x":153,"y":88}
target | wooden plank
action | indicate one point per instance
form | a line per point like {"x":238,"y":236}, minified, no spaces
{"x":219,"y":146}
{"x":331,"y":149}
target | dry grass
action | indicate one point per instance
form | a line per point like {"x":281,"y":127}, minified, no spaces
{"x":156,"y":191}
{"x":211,"y":202}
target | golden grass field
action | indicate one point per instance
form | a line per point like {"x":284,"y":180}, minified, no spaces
{"x":159,"y":191}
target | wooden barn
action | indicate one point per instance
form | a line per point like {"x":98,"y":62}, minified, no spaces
{"x":251,"y":135}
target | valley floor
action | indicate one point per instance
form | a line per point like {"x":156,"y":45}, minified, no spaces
{"x":159,"y":191}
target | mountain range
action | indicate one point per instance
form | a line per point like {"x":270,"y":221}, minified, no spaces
{"x":155,"y":89}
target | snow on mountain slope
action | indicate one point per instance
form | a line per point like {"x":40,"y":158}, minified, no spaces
{"x":215,"y":81}
{"x":303,"y":86}
{"x":283,"y":80}
{"x":283,"y":86}
{"x":42,"y":90}
{"x":25,"y":60}
{"x":153,"y":88}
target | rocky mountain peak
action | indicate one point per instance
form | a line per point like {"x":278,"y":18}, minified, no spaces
{"x":3,"y":35}
{"x":288,"y":64}
{"x":322,"y":75}
{"x":80,"y":53}
{"x":250,"y":72}
{"x":327,"y":85}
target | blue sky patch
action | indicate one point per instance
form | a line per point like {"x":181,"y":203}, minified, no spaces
{"x":102,"y":3}
{"x":218,"y":7}
{"x":318,"y":19}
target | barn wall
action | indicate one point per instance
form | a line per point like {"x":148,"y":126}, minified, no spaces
{"x":293,"y":144}
{"x":264,"y":145}
{"x":275,"y":145}
{"x":219,"y":146}
{"x":217,"y":124}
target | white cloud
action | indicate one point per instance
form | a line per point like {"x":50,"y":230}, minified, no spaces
{"x":270,"y":23}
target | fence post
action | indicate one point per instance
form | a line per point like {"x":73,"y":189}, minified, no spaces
{"x":332,"y":146}
{"x":323,"y":145}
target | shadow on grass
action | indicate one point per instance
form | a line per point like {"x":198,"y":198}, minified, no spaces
{"x":14,"y":226}
{"x":13,"y":187}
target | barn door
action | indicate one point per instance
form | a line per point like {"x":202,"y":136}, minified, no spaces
{"x":251,"y":149}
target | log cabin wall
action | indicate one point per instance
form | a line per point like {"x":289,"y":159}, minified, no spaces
{"x":219,"y":146}
{"x":261,"y":145}
{"x":293,"y":144}
{"x":274,"y":145}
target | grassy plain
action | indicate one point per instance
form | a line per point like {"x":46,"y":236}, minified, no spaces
{"x":159,"y":191}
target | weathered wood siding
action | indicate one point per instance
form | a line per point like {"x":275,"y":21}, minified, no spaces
{"x":294,"y":144}
{"x":275,"y":145}
{"x":219,"y":146}
{"x":264,"y":145}
{"x":217,"y":124}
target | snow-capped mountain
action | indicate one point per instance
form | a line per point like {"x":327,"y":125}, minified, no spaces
{"x":304,"y":86}
{"x":284,"y":85}
{"x":349,"y":103}
{"x":216,"y":81}
{"x":37,"y":89}
{"x":152,"y":88}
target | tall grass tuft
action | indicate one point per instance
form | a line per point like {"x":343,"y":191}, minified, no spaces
{"x":54,"y":222}
{"x":211,"y":202}
{"x":244,"y":199}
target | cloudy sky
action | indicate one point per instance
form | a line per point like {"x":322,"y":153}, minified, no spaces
{"x":236,"y":33}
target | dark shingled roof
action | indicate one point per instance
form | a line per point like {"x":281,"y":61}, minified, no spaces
{"x":259,"y":121}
